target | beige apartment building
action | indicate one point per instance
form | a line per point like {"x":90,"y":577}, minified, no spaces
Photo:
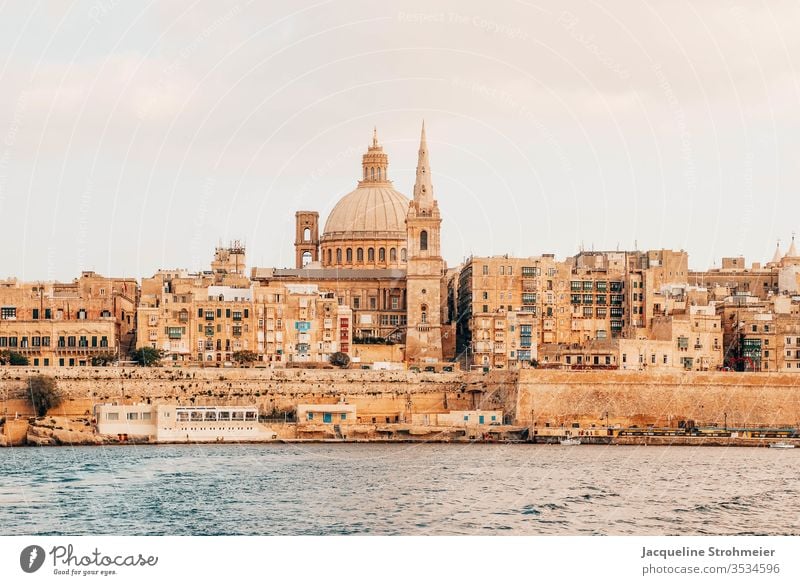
{"x":761,"y":335}
{"x":206,"y":318}
{"x":592,"y":296}
{"x":67,"y":324}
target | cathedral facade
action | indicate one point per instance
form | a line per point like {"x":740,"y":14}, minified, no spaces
{"x":379,"y":254}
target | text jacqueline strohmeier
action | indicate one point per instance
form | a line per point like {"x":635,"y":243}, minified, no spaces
{"x":711,"y":551}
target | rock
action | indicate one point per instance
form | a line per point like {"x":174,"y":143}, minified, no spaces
{"x":35,"y":439}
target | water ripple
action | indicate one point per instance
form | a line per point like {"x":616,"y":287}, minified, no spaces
{"x":396,"y":489}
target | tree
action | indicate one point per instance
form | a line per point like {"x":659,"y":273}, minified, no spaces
{"x":12,"y":358}
{"x":245,"y":356}
{"x":44,"y":394}
{"x":147,"y":356}
{"x":104,"y":359}
{"x":340,"y":359}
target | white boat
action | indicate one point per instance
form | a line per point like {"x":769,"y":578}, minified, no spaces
{"x":781,"y":445}
{"x":570,"y":442}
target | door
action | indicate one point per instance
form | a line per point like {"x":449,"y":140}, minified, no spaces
{"x":326,"y":417}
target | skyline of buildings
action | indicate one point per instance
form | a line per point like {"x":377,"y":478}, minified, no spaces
{"x":371,"y":282}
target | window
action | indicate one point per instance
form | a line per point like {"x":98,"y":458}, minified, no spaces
{"x":133,"y":416}
{"x":112,"y":415}
{"x":423,"y":240}
{"x":338,"y":255}
{"x":307,"y":234}
{"x":48,"y":314}
{"x":356,"y":302}
{"x":370,"y":254}
{"x":402,"y":254}
{"x":82,"y":314}
{"x":424,"y":313}
{"x":393,"y":254}
{"x":103,"y":341}
{"x":329,"y":257}
{"x":360,"y":255}
{"x":485,"y":270}
{"x":8,"y":312}
{"x":71,"y":341}
{"x":530,"y":271}
{"x":349,"y":255}
{"x":395,"y":303}
{"x":36,"y":313}
{"x":485,"y":296}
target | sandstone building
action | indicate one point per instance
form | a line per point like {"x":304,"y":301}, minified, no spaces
{"x":67,"y":324}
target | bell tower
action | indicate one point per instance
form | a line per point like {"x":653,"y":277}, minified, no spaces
{"x":425,"y":267}
{"x":306,"y":240}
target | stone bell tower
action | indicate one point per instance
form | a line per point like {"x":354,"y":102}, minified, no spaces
{"x":306,"y":240}
{"x":425,"y":267}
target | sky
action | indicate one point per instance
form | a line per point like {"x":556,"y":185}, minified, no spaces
{"x":139,"y":135}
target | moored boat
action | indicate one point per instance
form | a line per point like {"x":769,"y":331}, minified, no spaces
{"x":781,"y":445}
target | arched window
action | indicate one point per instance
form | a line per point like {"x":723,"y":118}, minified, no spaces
{"x":360,"y":255}
{"x":349,"y":255}
{"x":373,"y":173}
{"x":402,"y":254}
{"x":329,"y":257}
{"x":338,"y":255}
{"x":393,"y":255}
{"x":371,"y":255}
{"x":424,"y":314}
{"x":423,"y":240}
{"x":382,"y":255}
{"x":366,"y":173}
{"x":307,"y":235}
{"x":306,"y":257}
{"x":379,"y":173}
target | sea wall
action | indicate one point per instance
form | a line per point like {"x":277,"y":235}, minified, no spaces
{"x":662,"y":399}
{"x":377,"y":392}
{"x":555,"y":398}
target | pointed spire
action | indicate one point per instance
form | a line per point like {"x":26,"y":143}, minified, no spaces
{"x":423,"y":187}
{"x":792,"y":252}
{"x":374,"y":136}
{"x":776,"y":258}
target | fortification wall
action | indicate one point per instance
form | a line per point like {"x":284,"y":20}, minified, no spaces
{"x":271,"y":390}
{"x":663,"y":399}
{"x":548,"y":397}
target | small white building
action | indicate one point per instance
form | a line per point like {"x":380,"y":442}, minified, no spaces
{"x":459,"y":418}
{"x":339,"y":414}
{"x":168,"y":423}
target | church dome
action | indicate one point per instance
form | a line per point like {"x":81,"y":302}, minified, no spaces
{"x":367,"y":227}
{"x":374,"y":211}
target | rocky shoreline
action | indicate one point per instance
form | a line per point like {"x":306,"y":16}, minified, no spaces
{"x":54,"y":431}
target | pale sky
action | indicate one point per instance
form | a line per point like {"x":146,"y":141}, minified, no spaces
{"x":135,"y":136}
